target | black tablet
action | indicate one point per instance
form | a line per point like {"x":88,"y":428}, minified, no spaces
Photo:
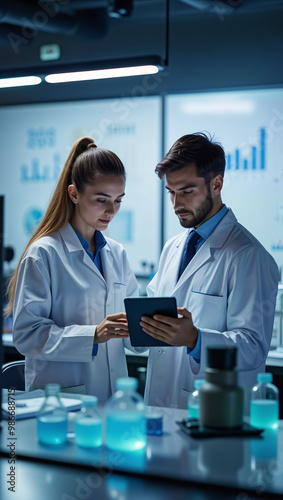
{"x":137,"y":307}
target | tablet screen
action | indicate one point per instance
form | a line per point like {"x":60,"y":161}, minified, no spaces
{"x":136,"y":307}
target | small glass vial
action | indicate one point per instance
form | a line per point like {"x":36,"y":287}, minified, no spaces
{"x":154,"y":421}
{"x":193,"y":400}
{"x":264,"y":404}
{"x":125,"y":417}
{"x":52,"y":418}
{"x":88,"y":424}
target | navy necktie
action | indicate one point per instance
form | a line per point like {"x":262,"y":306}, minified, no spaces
{"x":189,"y":251}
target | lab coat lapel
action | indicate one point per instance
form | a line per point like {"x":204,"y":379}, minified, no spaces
{"x":172,"y":271}
{"x":87,"y":260}
{"x":216,"y":240}
{"x":202,"y":255}
{"x":111,"y":277}
{"x":107,"y":266}
{"x":74,"y":245}
{"x":170,"y":276}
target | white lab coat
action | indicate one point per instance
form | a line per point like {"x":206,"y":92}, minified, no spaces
{"x":230,"y":288}
{"x":60,"y":299}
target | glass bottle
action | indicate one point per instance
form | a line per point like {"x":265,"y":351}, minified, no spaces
{"x":88,"y":424}
{"x":52,"y":418}
{"x":125,"y":417}
{"x":264,"y":403}
{"x":193,"y":400}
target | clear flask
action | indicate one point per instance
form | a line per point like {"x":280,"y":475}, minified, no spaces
{"x":193,"y":400}
{"x":52,"y":418}
{"x":125,"y":417}
{"x":88,"y":424}
{"x":264,"y":403}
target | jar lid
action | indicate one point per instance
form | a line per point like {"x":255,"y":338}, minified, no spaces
{"x":265,"y":378}
{"x":222,"y":358}
{"x":127,"y":383}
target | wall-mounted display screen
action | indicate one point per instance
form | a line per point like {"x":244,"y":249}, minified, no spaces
{"x":249,"y":125}
{"x":34,"y":148}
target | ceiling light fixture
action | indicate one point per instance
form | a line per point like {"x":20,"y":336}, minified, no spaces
{"x":115,"y":69}
{"x":20,"y":81}
{"x":90,"y":70}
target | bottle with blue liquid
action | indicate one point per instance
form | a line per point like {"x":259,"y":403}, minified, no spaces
{"x":52,"y":418}
{"x":125,"y":417}
{"x":193,"y":400}
{"x":264,"y":403}
{"x":88,"y":424}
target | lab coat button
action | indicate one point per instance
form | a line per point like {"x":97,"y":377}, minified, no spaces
{"x":159,"y":351}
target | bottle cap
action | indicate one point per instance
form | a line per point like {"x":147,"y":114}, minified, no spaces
{"x":222,"y":358}
{"x":198,"y":382}
{"x":89,"y":400}
{"x":265,"y":378}
{"x":52,"y":389}
{"x":127,"y":383}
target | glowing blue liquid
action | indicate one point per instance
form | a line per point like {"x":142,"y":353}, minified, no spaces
{"x":193,"y":411}
{"x":125,"y":432}
{"x":52,"y":429}
{"x":154,"y":425}
{"x":88,"y":432}
{"x":265,"y":449}
{"x":264,"y":413}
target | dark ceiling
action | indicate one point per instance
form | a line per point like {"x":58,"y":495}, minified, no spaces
{"x":90,"y":31}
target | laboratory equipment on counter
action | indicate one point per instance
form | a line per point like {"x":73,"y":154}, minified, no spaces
{"x":125,"y":417}
{"x":221,"y":398}
{"x":52,"y":418}
{"x":88,"y":424}
{"x":264,"y":404}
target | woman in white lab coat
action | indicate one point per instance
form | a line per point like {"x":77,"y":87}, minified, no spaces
{"x":68,"y":291}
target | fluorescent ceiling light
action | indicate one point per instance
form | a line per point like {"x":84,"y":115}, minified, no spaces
{"x":99,"y":74}
{"x":20,"y":81}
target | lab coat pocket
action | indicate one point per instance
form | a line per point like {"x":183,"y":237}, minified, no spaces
{"x":119,"y":290}
{"x":206,"y":310}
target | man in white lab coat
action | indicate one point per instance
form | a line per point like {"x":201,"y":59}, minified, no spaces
{"x":225,"y":295}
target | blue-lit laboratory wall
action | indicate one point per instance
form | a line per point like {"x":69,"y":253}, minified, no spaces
{"x":249,"y":124}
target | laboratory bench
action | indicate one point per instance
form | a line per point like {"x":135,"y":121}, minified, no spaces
{"x":137,"y":364}
{"x":173,"y":465}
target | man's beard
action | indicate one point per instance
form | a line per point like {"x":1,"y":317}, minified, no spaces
{"x":200,"y":214}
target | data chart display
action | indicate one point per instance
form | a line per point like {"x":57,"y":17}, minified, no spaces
{"x":249,"y":125}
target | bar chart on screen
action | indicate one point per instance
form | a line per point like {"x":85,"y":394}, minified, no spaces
{"x":253,"y":158}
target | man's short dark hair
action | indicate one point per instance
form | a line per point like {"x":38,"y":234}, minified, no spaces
{"x":198,"y":149}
